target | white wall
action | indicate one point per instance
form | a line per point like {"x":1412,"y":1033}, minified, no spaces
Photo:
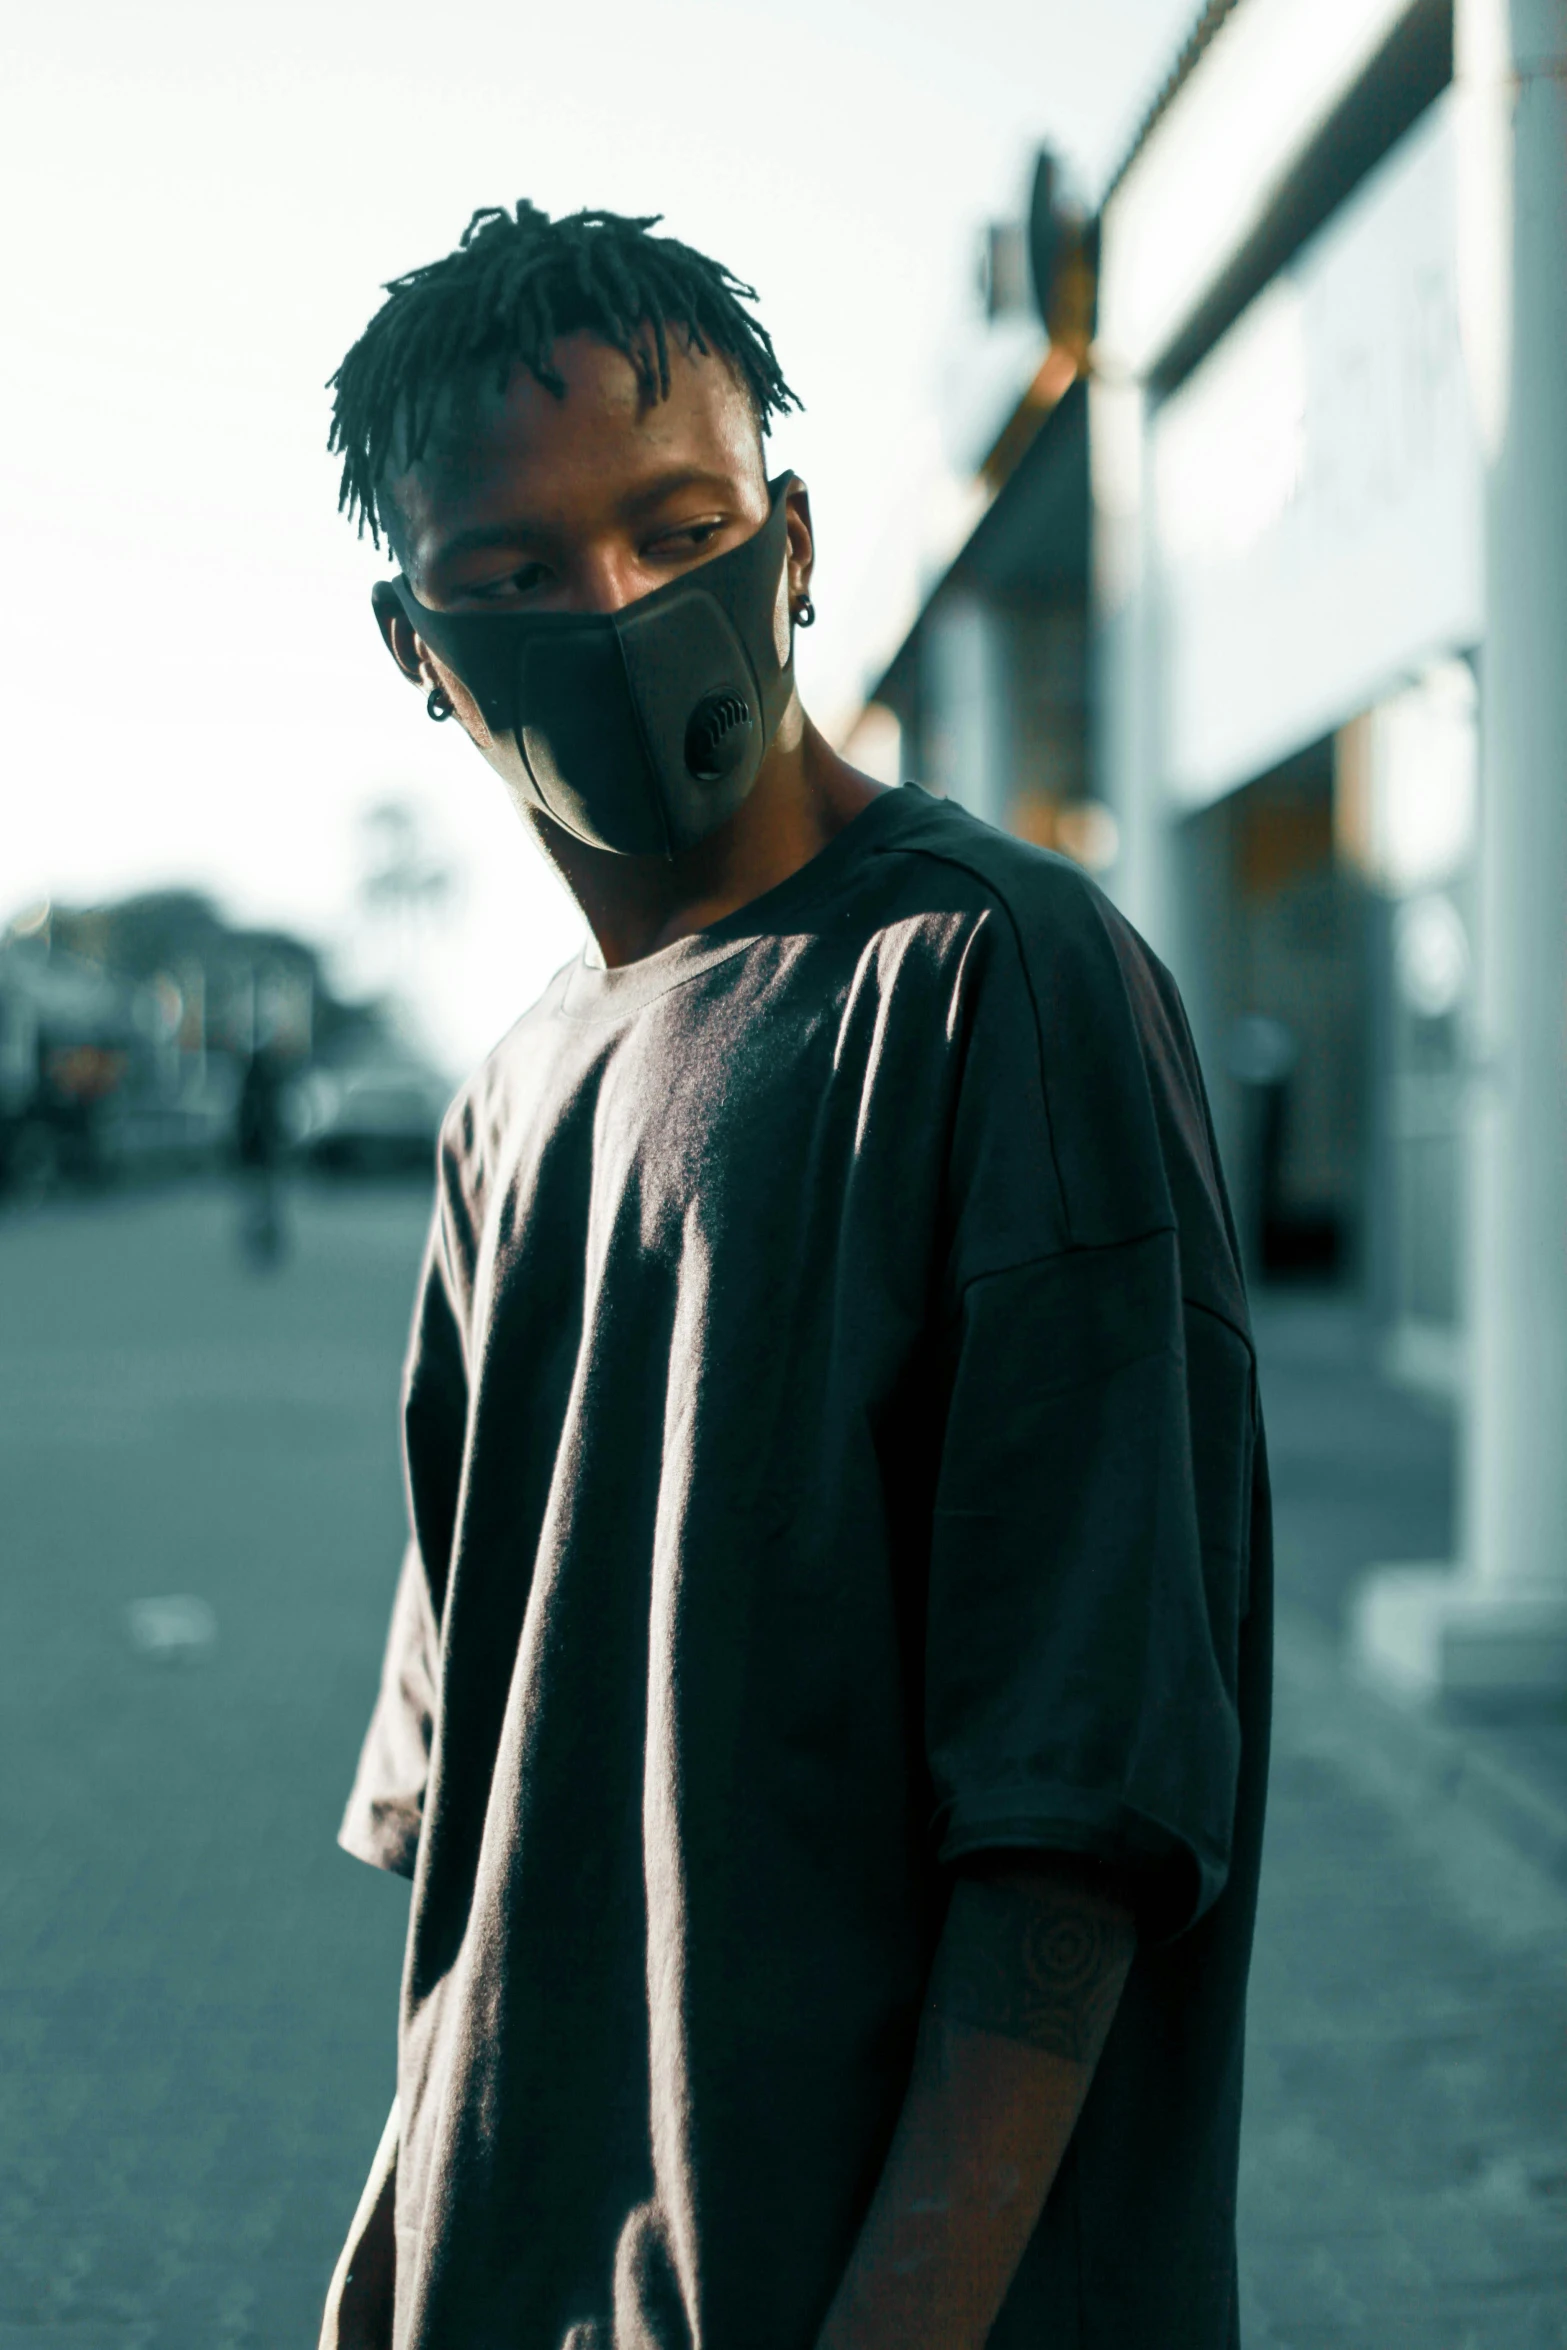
{"x":1267,"y":83}
{"x":1317,"y":486}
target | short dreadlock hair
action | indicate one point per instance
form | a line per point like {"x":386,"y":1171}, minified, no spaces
{"x":516,"y":283}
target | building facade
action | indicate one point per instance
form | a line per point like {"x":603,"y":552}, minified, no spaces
{"x":1312,"y":594}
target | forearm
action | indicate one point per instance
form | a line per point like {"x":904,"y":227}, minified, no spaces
{"x":358,"y":2314}
{"x":1022,"y":1993}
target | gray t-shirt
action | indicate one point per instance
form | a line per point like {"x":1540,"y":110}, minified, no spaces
{"x":833,"y":1450}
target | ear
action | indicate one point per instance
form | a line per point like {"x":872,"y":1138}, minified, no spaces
{"x":802,"y":539}
{"x":397,"y":633}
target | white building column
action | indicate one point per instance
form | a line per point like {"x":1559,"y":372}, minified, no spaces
{"x":1127,"y":690}
{"x":965,"y":687}
{"x":1495,"y":1624}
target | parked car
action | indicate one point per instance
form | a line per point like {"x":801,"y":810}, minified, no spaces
{"x":377,"y":1115}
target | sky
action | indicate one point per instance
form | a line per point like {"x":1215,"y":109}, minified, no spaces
{"x":202,"y":200}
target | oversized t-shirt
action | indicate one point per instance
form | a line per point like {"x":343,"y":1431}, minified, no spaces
{"x":833,"y":1452}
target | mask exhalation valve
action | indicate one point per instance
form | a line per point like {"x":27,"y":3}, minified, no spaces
{"x":716,"y":736}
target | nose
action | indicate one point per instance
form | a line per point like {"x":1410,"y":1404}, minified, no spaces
{"x":605,"y":577}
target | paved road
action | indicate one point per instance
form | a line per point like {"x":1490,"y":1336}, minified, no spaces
{"x":197,"y":1990}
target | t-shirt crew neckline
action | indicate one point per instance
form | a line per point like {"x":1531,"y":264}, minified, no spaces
{"x":591,"y":990}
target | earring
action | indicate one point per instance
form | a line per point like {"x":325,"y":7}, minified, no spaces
{"x":437,"y":706}
{"x":805,"y":613}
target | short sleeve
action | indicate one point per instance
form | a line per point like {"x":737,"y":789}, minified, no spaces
{"x":1088,"y":1571}
{"x":386,"y":1807}
{"x":1088,"y":1575}
{"x":385,"y":1810}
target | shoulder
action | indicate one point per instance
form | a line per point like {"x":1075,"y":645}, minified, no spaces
{"x":1130,"y":1131}
{"x":1063,"y":925}
{"x":1055,"y":934}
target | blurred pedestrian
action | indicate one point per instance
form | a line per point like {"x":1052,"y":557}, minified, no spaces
{"x":825,"y":1708}
{"x":259,"y":1141}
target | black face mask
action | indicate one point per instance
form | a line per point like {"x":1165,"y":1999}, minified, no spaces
{"x":638,"y":730}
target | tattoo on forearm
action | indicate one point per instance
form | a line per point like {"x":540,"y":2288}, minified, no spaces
{"x":1034,"y":1955}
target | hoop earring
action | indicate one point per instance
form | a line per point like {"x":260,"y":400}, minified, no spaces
{"x":437,"y":706}
{"x":805,"y":613}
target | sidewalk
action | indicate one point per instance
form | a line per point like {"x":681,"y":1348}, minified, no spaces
{"x":1364,"y":1473}
{"x":1404,"y":2179}
{"x":198,"y":2019}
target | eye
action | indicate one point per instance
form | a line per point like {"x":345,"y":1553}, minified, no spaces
{"x":526,"y":580}
{"x":686,"y":538}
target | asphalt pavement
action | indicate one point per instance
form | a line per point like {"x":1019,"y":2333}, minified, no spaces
{"x":200,"y":1515}
{"x":1404,"y":2178}
{"x":197,"y":1989}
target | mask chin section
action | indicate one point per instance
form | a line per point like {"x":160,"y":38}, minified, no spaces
{"x":717,"y":734}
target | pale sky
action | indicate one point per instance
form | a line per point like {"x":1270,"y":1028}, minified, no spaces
{"x":201,"y":201}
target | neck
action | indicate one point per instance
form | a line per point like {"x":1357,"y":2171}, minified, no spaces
{"x":804,"y":795}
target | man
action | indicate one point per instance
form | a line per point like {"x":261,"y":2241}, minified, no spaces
{"x":259,"y":1140}
{"x":824,"y":1714}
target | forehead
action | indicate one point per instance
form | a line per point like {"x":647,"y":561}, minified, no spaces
{"x":523,"y":448}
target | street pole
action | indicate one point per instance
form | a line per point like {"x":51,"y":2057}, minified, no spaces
{"x":1496,"y":1625}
